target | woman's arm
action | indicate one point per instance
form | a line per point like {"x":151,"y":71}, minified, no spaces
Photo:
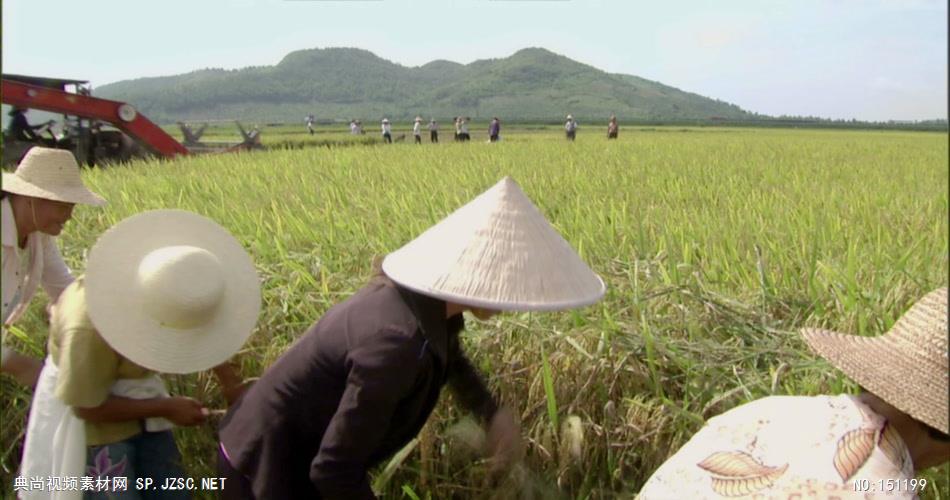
{"x":180,"y":410}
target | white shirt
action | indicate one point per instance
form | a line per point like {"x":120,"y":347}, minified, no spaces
{"x":386,"y":128}
{"x":46,"y":267}
{"x":417,"y":128}
{"x":23,"y":270}
{"x":788,"y":447}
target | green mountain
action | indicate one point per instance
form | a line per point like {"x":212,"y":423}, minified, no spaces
{"x":342,"y":83}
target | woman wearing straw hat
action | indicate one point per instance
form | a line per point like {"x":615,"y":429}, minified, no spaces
{"x":387,"y":131}
{"x":361,"y":382}
{"x":839,"y":446}
{"x":417,"y":130}
{"x":164,"y":291}
{"x":37,"y":201}
{"x":570,"y":128}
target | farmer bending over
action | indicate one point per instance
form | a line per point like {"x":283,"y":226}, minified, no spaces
{"x":362,"y":381}
{"x":37,"y":201}
{"x":164,"y":291}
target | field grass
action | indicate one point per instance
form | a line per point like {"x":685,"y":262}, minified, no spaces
{"x":716,"y":246}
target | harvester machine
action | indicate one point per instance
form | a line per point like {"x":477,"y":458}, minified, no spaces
{"x":98,"y":131}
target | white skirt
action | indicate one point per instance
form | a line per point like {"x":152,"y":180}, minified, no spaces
{"x":55,"y":444}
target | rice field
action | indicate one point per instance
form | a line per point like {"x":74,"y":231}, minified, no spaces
{"x":716,"y":246}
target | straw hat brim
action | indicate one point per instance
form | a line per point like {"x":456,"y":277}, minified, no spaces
{"x":14,"y":184}
{"x":890,"y":369}
{"x":399,"y":276}
{"x":115,"y":301}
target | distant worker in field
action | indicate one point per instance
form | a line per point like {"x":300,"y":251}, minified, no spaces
{"x":21,"y":130}
{"x":463,"y":129}
{"x":37,"y":202}
{"x":164,"y":291}
{"x":310,"y":120}
{"x":353,"y":127}
{"x":494,"y":129}
{"x":417,"y":130}
{"x":457,"y":122}
{"x":363,"y":380}
{"x":387,"y":131}
{"x":433,"y":131}
{"x":612,"y":127}
{"x":570,"y":128}
{"x":842,"y":446}
{"x":359,"y":127}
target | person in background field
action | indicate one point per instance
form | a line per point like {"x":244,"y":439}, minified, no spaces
{"x":494,"y":128}
{"x":612,"y":127}
{"x":359,"y":127}
{"x":164,"y":291}
{"x":458,"y":123}
{"x":37,"y":201}
{"x":21,"y":130}
{"x":417,"y":129}
{"x":387,"y":131}
{"x":362,"y":381}
{"x":310,"y":120}
{"x":570,"y":128}
{"x":463,"y":129}
{"x":433,"y":131}
{"x":353,"y":127}
{"x":804,"y":446}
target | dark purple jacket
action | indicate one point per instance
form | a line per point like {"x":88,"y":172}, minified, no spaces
{"x":352,"y":391}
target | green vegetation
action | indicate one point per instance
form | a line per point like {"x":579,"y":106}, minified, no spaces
{"x":716,"y":246}
{"x":337,"y":83}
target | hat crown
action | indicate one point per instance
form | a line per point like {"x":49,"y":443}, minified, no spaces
{"x":924,"y":326}
{"x":50,"y":174}
{"x":49,"y":168}
{"x":181,"y":285}
{"x":496,"y":252}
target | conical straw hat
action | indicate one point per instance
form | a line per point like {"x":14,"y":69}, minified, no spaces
{"x":907,"y":366}
{"x":497,"y":252}
{"x":172,"y":291}
{"x":51,"y":174}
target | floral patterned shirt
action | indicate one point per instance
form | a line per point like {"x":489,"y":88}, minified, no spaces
{"x":784,"y":447}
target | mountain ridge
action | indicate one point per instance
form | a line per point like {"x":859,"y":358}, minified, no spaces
{"x":342,"y":82}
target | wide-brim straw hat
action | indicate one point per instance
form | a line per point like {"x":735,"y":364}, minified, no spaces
{"x":385,"y":120}
{"x":172,"y":291}
{"x":907,"y":366}
{"x":497,"y":252}
{"x":51,"y":174}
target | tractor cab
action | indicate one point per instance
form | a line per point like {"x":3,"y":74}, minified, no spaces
{"x":92,"y":141}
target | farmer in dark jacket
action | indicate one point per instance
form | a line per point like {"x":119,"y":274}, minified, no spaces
{"x":360,"y":384}
{"x":494,"y":129}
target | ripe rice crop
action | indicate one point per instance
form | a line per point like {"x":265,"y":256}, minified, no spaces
{"x":716,"y":246}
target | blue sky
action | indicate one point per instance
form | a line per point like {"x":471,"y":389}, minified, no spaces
{"x":864,"y":59}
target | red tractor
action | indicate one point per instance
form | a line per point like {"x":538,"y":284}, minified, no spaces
{"x":98,"y":131}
